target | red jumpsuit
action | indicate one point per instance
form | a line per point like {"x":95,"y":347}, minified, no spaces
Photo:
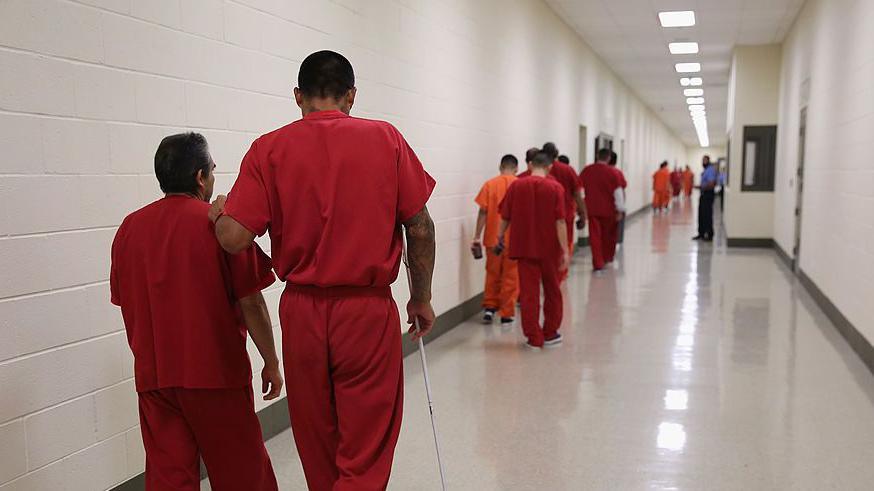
{"x":178,"y":293}
{"x":332,"y":190}
{"x":570,"y":182}
{"x":533,"y":205}
{"x":600,"y":182}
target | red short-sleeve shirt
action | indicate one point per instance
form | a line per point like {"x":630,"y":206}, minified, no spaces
{"x":570,"y":182}
{"x":599,"y":182}
{"x":332,"y":190}
{"x":621,"y":176}
{"x":178,"y":293}
{"x":532,"y":206}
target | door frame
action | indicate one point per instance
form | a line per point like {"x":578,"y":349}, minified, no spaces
{"x":799,"y":188}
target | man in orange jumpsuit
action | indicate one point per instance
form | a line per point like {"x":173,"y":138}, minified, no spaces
{"x":661,"y":187}
{"x":535,"y":207}
{"x":337,"y":193}
{"x":688,"y":181}
{"x":502,"y":276}
{"x":187,"y":306}
{"x":605,"y":206}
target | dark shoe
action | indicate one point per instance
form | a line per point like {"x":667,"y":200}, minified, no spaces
{"x":488,"y":316}
{"x":553,"y":342}
{"x":507,"y":320}
{"x":697,"y":237}
{"x":707,"y":239}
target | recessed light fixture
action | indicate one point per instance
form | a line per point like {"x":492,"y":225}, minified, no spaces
{"x":677,"y":18}
{"x":683,"y":48}
{"x":688,"y":67}
{"x":695,"y":100}
{"x":696,"y":108}
{"x":691,"y":82}
{"x":693,"y":92}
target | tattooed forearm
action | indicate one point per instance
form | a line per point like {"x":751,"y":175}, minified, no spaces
{"x":420,"y":253}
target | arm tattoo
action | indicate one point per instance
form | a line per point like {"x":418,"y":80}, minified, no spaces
{"x":420,"y":253}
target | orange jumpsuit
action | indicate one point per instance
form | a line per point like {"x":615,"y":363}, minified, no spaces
{"x":661,"y":186}
{"x":688,"y":182}
{"x":502,"y":273}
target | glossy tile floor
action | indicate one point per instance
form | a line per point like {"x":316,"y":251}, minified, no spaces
{"x":687,"y":367}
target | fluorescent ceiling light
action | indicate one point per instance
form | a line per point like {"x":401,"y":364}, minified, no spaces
{"x":688,"y":67}
{"x":683,"y":48}
{"x":679,"y":18}
{"x":695,"y":100}
{"x":691,"y":82}
{"x":693,"y":92}
{"x":697,"y":108}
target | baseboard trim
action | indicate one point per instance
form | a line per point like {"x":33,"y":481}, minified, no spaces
{"x":750,"y":242}
{"x":274,"y":418}
{"x":784,"y":256}
{"x":860,"y":345}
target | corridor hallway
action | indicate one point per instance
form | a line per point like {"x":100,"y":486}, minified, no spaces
{"x":691,"y":366}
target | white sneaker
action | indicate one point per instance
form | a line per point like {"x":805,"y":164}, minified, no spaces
{"x":530,"y":347}
{"x":554,"y":342}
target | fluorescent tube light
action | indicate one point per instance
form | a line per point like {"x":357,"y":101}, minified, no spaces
{"x":695,"y":100}
{"x":683,"y":48}
{"x":688,"y":67}
{"x":678,"y":18}
{"x":693,"y":92}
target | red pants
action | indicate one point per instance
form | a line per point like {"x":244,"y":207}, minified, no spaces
{"x":602,"y":240}
{"x":502,"y":284}
{"x":344,"y":375}
{"x":533,"y":272}
{"x":181,"y":425}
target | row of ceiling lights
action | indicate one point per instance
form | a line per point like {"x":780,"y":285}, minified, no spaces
{"x":694,"y":96}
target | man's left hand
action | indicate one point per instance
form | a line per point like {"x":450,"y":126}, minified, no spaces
{"x":217,"y":208}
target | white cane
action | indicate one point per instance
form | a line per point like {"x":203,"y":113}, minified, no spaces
{"x":427,"y":380}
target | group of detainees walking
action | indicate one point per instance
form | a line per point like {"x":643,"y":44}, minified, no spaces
{"x":525,"y":231}
{"x":340,"y":197}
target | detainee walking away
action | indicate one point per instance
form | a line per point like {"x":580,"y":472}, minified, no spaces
{"x":336,"y":193}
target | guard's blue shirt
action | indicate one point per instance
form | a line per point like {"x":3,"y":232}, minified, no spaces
{"x":708,"y":177}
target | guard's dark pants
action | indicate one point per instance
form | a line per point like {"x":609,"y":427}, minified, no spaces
{"x":705,"y":213}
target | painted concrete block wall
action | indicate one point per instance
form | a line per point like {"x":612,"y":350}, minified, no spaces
{"x":695,"y":154}
{"x":90,"y":87}
{"x":828,"y":67}
{"x":754,"y":101}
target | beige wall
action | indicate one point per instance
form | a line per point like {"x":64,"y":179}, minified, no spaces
{"x":829,"y":51}
{"x":90,"y":86}
{"x":753,"y":100}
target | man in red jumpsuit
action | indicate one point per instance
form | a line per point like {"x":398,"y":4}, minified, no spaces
{"x":573,"y":199}
{"x":336,"y":193}
{"x":620,"y":228}
{"x":605,"y":205}
{"x":535,"y":208}
{"x":187,"y":305}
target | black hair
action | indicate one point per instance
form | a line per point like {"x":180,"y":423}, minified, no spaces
{"x":542,"y":159}
{"x":663,"y":164}
{"x":604,"y":154}
{"x":509,"y":160}
{"x":613,"y":158}
{"x":325,"y":74}
{"x":178,"y":159}
{"x":531,"y":153}
{"x":564,"y":159}
{"x":550,"y":150}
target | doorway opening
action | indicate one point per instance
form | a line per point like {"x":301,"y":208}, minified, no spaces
{"x":799,"y":190}
{"x":583,"y":156}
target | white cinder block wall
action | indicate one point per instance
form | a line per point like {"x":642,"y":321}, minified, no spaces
{"x":90,"y":86}
{"x":829,"y":48}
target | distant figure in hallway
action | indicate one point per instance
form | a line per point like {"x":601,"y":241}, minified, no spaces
{"x":564,"y":159}
{"x":676,"y":182}
{"x":661,"y":188}
{"x":502,"y":275}
{"x":688,"y":182}
{"x":337,"y":194}
{"x":573,"y":198}
{"x":709,"y":179}
{"x":605,"y":206}
{"x":187,"y":306}
{"x":620,"y":230}
{"x":535,"y":207}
